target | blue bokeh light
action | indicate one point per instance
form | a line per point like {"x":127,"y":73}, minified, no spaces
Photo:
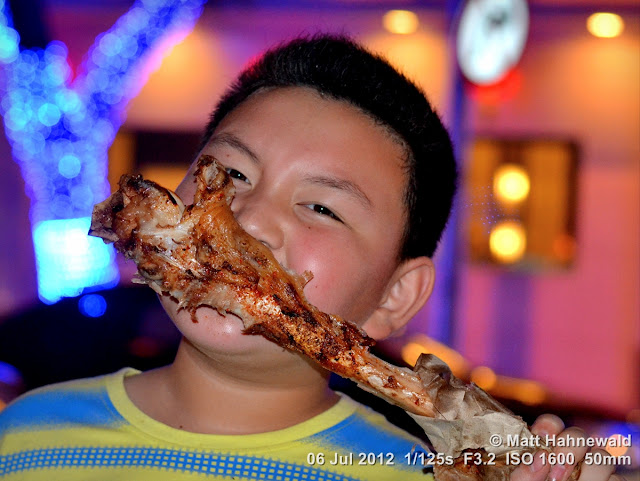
{"x":9,"y":374}
{"x":49,"y":114}
{"x":69,"y":260}
{"x":9,"y":40}
{"x":60,"y":132}
{"x":92,"y":305}
{"x":69,"y":166}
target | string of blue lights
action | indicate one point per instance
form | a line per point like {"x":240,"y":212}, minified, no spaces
{"x":60,"y":129}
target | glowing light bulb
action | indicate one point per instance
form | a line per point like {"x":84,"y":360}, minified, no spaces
{"x":511,"y":183}
{"x":421,"y":344}
{"x":508,"y":241}
{"x":411,"y":352}
{"x":401,"y":22}
{"x":615,"y":447}
{"x":530,"y":393}
{"x":484,"y":377}
{"x":605,"y":25}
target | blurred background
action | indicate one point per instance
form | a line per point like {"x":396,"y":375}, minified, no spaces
{"x":537,"y":299}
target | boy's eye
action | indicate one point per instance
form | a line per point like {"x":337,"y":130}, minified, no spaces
{"x":236,"y":174}
{"x":321,"y":209}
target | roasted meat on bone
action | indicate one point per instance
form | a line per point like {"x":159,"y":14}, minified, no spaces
{"x":199,"y":255}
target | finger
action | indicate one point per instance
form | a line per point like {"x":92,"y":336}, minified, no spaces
{"x":597,"y":472}
{"x":547,"y":424}
{"x":536,"y":471}
{"x":564,"y":459}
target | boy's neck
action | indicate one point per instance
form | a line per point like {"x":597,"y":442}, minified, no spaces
{"x":198,"y":395}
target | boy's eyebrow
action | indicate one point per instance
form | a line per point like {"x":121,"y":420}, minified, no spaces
{"x":231,"y":140}
{"x":340,"y":184}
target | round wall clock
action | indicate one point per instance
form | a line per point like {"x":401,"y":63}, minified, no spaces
{"x":491,"y":37}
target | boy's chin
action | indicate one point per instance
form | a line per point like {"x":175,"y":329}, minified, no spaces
{"x":220,"y":333}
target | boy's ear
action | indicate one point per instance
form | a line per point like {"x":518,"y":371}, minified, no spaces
{"x":408,"y":290}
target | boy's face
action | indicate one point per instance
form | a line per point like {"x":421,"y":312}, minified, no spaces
{"x":321,"y":185}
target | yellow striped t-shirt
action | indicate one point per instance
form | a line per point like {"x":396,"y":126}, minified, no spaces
{"x":90,"y":430}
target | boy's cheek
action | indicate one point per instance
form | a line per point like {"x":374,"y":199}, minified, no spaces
{"x":342,"y":286}
{"x":330,"y":269}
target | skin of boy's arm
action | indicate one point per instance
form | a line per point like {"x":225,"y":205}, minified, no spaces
{"x":549,"y":424}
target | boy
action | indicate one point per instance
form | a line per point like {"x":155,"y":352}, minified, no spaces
{"x":341,"y":168}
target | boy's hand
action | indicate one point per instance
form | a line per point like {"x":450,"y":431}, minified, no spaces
{"x":540,"y":471}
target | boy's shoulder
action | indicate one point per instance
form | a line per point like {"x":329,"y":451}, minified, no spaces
{"x":367,"y":431}
{"x":82,"y":401}
{"x":365,"y":445}
{"x":364,"y":419}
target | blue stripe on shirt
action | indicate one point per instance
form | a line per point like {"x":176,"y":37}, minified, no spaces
{"x":246,"y":467}
{"x":356,"y":435}
{"x":52,"y":409}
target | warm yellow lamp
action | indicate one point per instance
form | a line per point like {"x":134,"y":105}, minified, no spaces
{"x":401,"y":22}
{"x":484,"y":377}
{"x":421,"y":344}
{"x":511,"y":183}
{"x":508,"y":241}
{"x":605,"y":25}
{"x":615,"y":447}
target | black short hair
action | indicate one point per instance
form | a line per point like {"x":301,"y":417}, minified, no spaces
{"x":339,"y":68}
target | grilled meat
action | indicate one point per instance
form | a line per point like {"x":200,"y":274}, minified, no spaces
{"x":200,"y":255}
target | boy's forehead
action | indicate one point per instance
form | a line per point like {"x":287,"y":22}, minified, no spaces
{"x":294,"y":101}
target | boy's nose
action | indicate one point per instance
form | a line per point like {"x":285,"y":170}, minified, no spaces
{"x":260,"y":217}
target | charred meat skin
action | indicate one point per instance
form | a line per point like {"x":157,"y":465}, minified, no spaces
{"x":200,"y":255}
